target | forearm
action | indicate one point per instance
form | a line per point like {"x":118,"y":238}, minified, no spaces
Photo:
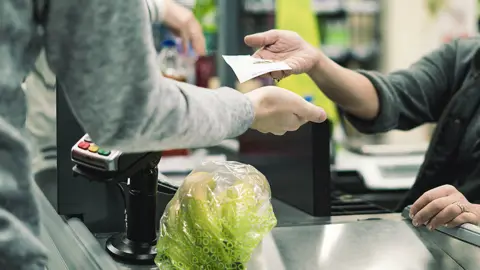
{"x":105,"y":62}
{"x":349,"y":89}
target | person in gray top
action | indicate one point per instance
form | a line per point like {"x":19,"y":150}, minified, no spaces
{"x":40,"y":90}
{"x":103,"y":56}
{"x":443,"y":87}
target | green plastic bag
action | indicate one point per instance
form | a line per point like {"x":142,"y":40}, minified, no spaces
{"x":216,"y":219}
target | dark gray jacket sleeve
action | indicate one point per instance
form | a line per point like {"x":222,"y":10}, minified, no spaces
{"x":103,"y":55}
{"x":414,"y":96}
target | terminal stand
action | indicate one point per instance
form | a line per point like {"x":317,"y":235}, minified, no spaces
{"x":137,"y":244}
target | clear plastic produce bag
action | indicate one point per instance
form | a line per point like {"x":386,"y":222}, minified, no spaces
{"x":216,"y":219}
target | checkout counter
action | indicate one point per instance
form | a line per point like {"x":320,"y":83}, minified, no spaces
{"x":380,"y":241}
{"x":319,"y":226}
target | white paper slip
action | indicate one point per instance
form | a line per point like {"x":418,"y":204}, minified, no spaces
{"x":247,"y":67}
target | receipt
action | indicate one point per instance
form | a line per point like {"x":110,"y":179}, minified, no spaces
{"x":247,"y":67}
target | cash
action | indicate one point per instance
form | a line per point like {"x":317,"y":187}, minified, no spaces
{"x":247,"y":67}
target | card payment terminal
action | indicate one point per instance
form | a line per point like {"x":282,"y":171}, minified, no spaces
{"x":140,"y":172}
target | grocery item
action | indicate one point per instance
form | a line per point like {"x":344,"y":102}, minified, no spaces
{"x":170,"y":61}
{"x":217,"y":218}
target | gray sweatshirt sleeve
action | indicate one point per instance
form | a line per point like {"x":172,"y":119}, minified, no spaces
{"x":156,"y":10}
{"x":414,"y":96}
{"x":103,"y":55}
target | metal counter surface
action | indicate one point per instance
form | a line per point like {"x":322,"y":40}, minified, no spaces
{"x":372,"y":245}
{"x":362,"y":245}
{"x":288,"y":216}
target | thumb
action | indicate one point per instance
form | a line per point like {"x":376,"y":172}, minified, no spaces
{"x":311,"y":112}
{"x":262,"y":39}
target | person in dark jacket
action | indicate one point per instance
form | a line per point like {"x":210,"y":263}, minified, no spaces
{"x":443,"y":87}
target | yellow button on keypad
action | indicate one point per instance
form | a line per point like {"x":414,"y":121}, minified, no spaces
{"x":93,"y":148}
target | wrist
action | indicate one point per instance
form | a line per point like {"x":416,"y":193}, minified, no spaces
{"x":320,"y":60}
{"x":256,"y":99}
{"x":157,"y":10}
{"x":176,"y":15}
{"x":476,"y":209}
{"x":168,"y":10}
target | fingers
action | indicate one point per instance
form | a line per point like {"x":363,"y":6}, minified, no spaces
{"x":262,"y":39}
{"x":466,"y":217}
{"x":310,"y":112}
{"x":431,"y":195}
{"x":185,"y":42}
{"x":277,"y":75}
{"x":446,"y":215}
{"x":258,"y":53}
{"x":292,"y":122}
{"x":432,"y":209}
{"x":199,"y":46}
{"x":197,"y":38}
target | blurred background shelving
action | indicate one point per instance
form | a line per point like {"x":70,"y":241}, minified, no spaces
{"x":349,"y":31}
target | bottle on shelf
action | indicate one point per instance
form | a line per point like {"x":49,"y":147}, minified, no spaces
{"x":170,"y":61}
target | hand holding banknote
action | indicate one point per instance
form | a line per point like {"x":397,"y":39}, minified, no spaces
{"x":287,"y":47}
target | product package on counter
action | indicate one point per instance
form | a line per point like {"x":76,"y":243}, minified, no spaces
{"x":217,"y":218}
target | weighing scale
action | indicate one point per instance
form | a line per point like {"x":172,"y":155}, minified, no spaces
{"x":381,"y":166}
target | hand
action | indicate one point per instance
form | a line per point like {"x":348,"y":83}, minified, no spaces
{"x":288,"y":46}
{"x":183,"y":23}
{"x":444,"y":206}
{"x":278,"y":110}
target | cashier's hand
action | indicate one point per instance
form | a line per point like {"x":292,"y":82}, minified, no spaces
{"x":287,"y":46}
{"x":444,"y":206}
{"x":183,"y":23}
{"x":278,"y":110}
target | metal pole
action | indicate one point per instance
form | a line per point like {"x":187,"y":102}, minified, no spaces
{"x":228,"y":38}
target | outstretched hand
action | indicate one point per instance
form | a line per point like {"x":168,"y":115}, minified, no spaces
{"x":287,"y":46}
{"x":183,"y":24}
{"x":278,"y":110}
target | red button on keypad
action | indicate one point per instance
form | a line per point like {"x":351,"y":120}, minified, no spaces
{"x":83,"y":145}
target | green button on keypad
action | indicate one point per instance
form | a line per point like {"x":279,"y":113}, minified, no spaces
{"x":103,"y":152}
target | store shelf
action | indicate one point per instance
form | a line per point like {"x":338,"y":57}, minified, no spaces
{"x":321,"y":7}
{"x":359,"y":53}
{"x":259,"y":7}
{"x":327,"y":6}
{"x":364,"y":7}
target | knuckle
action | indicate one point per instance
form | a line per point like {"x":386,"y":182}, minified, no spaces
{"x":449,"y":188}
{"x":451,"y":211}
{"x":428,"y":196}
{"x":437,"y":205}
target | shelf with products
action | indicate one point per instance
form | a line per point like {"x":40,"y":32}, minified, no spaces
{"x":349,"y":28}
{"x":321,"y":7}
